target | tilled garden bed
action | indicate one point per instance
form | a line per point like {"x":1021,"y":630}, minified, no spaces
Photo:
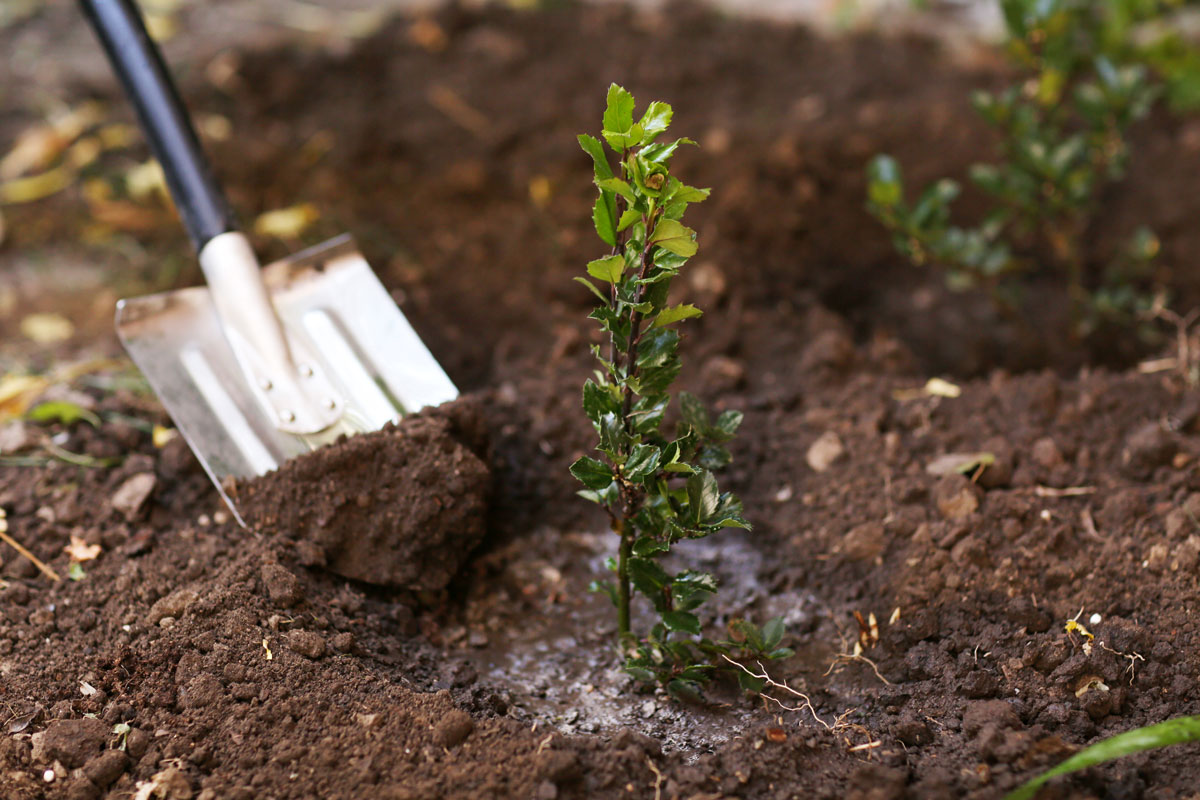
{"x":245,"y":666}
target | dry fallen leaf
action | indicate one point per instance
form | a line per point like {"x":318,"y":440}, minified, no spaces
{"x":79,"y":550}
{"x":160,"y":436}
{"x":17,"y":393}
{"x":540,"y":191}
{"x":287,"y":223}
{"x":47,"y":328}
{"x":38,"y":147}
{"x":145,"y":179}
{"x":962,"y":463}
{"x":35,"y":187}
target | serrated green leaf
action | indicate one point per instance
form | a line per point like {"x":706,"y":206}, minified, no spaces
{"x":618,"y":186}
{"x":656,"y":120}
{"x":675,"y":314}
{"x":649,"y":578}
{"x":750,"y":634}
{"x":630,"y":216}
{"x":772,"y":633}
{"x":591,"y":286}
{"x":641,"y":674}
{"x":591,"y":145}
{"x":604,"y":217}
{"x":657,"y":346}
{"x":728,"y":422}
{"x":703,"y":496}
{"x":646,"y":547}
{"x":673,"y":236}
{"x":682,"y":621}
{"x":618,"y":113}
{"x":607,"y":269}
{"x":750,"y":683}
{"x":662,"y":152}
{"x":595,"y":475}
{"x":598,"y":400}
{"x":685,"y":691}
{"x":642,"y":463}
{"x":605,"y":588}
{"x":694,"y":414}
{"x":690,"y":194}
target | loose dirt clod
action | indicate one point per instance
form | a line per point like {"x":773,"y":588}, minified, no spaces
{"x":73,"y":741}
{"x":453,"y":729}
{"x":402,"y":506}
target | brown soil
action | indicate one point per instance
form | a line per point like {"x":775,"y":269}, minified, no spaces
{"x":400,"y":507}
{"x":245,"y":669}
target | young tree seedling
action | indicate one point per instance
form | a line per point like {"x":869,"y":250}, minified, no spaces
{"x":657,"y":487}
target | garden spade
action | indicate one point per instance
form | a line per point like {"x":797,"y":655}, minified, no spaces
{"x":260,"y":365}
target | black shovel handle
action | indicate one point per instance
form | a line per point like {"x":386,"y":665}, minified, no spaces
{"x":165,"y":123}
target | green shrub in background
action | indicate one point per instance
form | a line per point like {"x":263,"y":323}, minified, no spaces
{"x":1086,"y":71}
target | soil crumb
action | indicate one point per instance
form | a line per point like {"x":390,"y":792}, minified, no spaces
{"x":402,"y":506}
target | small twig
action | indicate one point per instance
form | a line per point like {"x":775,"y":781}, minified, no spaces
{"x":805,"y":706}
{"x":658,"y":779}
{"x":1070,"y":491}
{"x":37,"y":562}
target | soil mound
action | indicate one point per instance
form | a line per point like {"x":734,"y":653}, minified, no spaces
{"x":402,"y":506}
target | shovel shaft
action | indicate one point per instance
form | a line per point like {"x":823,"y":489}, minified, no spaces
{"x":138,"y":63}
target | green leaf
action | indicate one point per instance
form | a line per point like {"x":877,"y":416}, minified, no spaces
{"x":685,"y":691}
{"x":728,"y":422}
{"x":604,"y":217}
{"x":750,"y":683}
{"x":690,"y":194}
{"x":618,"y":186}
{"x":592,"y":473}
{"x":630,"y":216}
{"x":672,"y":315}
{"x":641,"y":674}
{"x":693,"y":412}
{"x":62,"y":411}
{"x":645,"y":547}
{"x":673,"y":236}
{"x":772,"y":633}
{"x":656,"y":120}
{"x":662,"y":152}
{"x":781,"y":652}
{"x":750,"y":633}
{"x":75,"y":571}
{"x":1175,"y":731}
{"x":658,"y":345}
{"x":703,"y":496}
{"x":642,"y":463}
{"x":649,"y":579}
{"x":605,"y":588}
{"x":590,"y":286}
{"x":591,"y":145}
{"x":607,"y":269}
{"x":885,"y":188}
{"x":618,"y":115}
{"x":682,"y":621}
{"x":598,"y":400}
